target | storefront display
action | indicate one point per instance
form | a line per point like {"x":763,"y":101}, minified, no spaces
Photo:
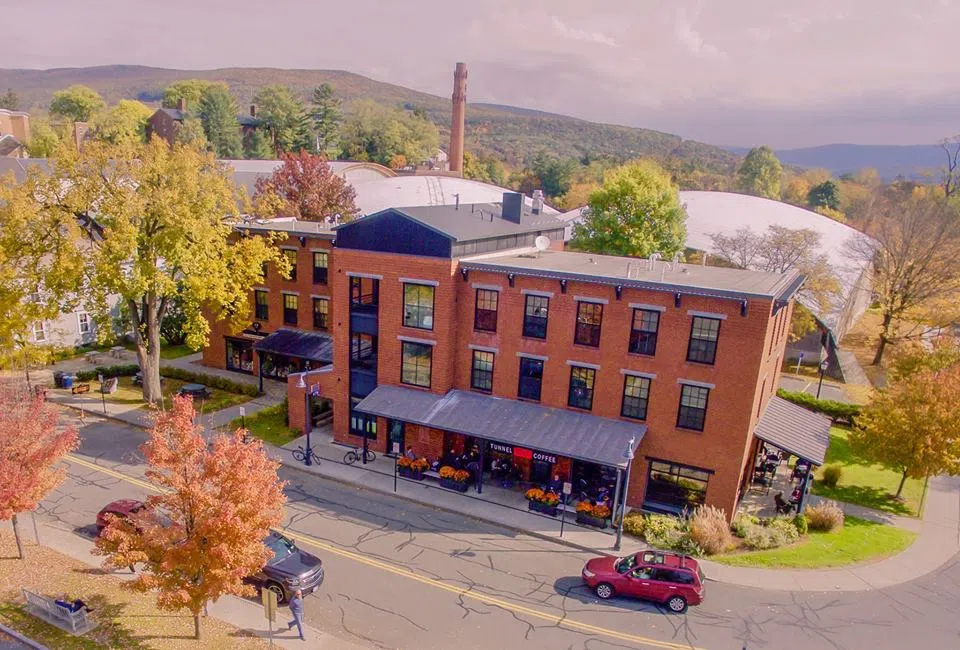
{"x":278,"y":366}
{"x":240,"y":355}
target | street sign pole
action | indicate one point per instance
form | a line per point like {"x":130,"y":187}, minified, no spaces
{"x":269,"y":600}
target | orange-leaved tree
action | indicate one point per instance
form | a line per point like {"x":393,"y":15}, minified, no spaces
{"x":305,"y":187}
{"x":203,"y":534}
{"x":912,"y":425}
{"x":31,"y":444}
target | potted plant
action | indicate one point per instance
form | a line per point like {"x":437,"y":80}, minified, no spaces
{"x":454,"y":479}
{"x":590,"y":515}
{"x":540,"y":501}
{"x":412,"y":469}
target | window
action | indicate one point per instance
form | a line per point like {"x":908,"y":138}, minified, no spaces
{"x":261,"y":304}
{"x":39,"y":332}
{"x":643,"y":334}
{"x":417,"y":360}
{"x":84,"y":320}
{"x":362,"y":424}
{"x":673,"y":488}
{"x":292,"y":258}
{"x":290,"y":304}
{"x":589,"y":315}
{"x":481,"y":373}
{"x":531,"y":378}
{"x":418,"y":306}
{"x":320,"y":261}
{"x":485,"y":315}
{"x":581,"y":387}
{"x":321,"y":313}
{"x":693,"y":407}
{"x":636,"y":391}
{"x":535,"y":317}
{"x":703,"y":340}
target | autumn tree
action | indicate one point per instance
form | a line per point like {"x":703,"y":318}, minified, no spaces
{"x":149,"y":223}
{"x":913,"y":245}
{"x":304,"y":187}
{"x":190,"y":133}
{"x":203,"y":534}
{"x":327,"y":117}
{"x":377,"y":133}
{"x":31,"y":445}
{"x":189,"y":90}
{"x":123,"y":123}
{"x":282,"y":113}
{"x":824,"y":195}
{"x":555,"y":173}
{"x":950,"y":173}
{"x":636,"y":212}
{"x":911,"y":425}
{"x":77,"y":103}
{"x":10,"y":101}
{"x":218,"y":113}
{"x":485,"y":168}
{"x":760,"y":174}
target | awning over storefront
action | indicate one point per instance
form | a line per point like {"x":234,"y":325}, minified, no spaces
{"x":523,"y":424}
{"x":312,"y":346}
{"x":794,"y":429}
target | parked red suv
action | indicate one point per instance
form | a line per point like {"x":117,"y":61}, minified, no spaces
{"x":671,"y":579}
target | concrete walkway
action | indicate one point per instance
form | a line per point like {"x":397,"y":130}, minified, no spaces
{"x":239,"y":612}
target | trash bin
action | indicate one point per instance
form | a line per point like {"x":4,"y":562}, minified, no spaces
{"x":58,"y":379}
{"x":67,"y":381}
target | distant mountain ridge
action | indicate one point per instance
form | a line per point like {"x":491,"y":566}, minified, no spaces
{"x":909,"y":161}
{"x":511,"y":132}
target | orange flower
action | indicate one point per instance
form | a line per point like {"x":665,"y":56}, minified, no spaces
{"x":534,"y":494}
{"x":447,"y":472}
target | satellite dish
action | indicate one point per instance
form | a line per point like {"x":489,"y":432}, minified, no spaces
{"x":542,"y":243}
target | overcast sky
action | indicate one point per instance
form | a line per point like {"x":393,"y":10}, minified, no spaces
{"x":786,"y":73}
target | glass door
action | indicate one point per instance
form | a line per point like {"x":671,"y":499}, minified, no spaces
{"x":395,"y":440}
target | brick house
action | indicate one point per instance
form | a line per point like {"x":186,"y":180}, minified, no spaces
{"x":165,"y":122}
{"x":454,"y":327}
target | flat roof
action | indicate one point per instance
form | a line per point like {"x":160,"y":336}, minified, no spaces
{"x":639,"y":272}
{"x":314,"y":229}
{"x":475,"y":221}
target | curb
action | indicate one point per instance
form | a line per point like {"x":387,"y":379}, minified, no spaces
{"x":22,"y":639}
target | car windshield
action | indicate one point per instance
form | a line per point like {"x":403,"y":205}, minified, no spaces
{"x":624,"y":564}
{"x":281,"y":546}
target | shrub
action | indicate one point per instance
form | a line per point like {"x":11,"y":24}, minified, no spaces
{"x":126,"y":370}
{"x":836,"y":411}
{"x":633,"y":523}
{"x":211,"y":381}
{"x":741,"y":525}
{"x":785,"y":528}
{"x":800,"y":523}
{"x":709,"y":530}
{"x":759,"y":538}
{"x":664,"y":531}
{"x":824,"y":516}
{"x":831,"y":475}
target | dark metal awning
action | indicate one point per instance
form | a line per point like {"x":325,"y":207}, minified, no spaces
{"x":297,"y":343}
{"x":558,"y":431}
{"x":795,"y":429}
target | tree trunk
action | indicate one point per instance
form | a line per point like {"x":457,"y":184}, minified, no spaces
{"x":16,"y":535}
{"x":147,"y":336}
{"x":903,"y":479}
{"x":196,"y":626}
{"x":884,"y":334}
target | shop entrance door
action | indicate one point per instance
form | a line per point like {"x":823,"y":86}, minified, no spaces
{"x":540,"y":472}
{"x":396,"y":434}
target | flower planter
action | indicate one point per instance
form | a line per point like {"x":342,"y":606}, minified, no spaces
{"x":450,"y":484}
{"x":537,"y":506}
{"x":412,"y":474}
{"x":590,"y":520}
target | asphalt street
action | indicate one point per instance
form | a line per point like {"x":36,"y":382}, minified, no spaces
{"x":400,"y":575}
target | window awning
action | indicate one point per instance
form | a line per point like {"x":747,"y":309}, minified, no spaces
{"x":795,"y":429}
{"x":523,"y":424}
{"x":312,"y":346}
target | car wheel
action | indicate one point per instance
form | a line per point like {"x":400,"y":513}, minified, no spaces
{"x":604,"y":591}
{"x":278,"y":590}
{"x":677,"y":605}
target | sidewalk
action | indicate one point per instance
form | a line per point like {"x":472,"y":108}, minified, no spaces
{"x":241,"y":613}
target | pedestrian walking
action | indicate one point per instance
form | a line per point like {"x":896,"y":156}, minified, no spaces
{"x":296,"y":608}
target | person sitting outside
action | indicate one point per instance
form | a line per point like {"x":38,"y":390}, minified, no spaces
{"x":556,"y":485}
{"x":72,"y":606}
{"x":410,"y":453}
{"x":783,"y":507}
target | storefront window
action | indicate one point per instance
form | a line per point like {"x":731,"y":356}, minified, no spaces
{"x":278,"y":366}
{"x":240,"y":355}
{"x":674,"y":488}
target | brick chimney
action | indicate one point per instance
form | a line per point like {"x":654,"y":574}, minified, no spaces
{"x":181,"y":104}
{"x":457,"y":117}
{"x":253,"y":110}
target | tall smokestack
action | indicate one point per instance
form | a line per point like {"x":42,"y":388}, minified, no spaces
{"x":457,"y":117}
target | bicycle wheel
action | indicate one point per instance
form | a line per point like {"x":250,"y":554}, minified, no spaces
{"x":316,"y":459}
{"x":371,"y":456}
{"x":350,"y":457}
{"x":298,"y":454}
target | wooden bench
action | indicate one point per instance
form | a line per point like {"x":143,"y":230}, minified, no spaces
{"x":92,"y":357}
{"x":46,"y":608}
{"x":432,"y":475}
{"x":80,"y":388}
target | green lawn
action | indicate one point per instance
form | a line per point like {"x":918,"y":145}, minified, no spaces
{"x":270,"y":425}
{"x":865,"y":483}
{"x":858,"y":541}
{"x":127,"y":393}
{"x":17,"y":617}
{"x":174,"y":351}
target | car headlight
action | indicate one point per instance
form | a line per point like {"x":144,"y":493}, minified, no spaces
{"x":587,"y":573}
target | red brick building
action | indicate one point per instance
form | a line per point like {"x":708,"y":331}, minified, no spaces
{"x":452,"y":330}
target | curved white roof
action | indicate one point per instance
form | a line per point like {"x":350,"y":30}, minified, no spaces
{"x":408,"y":191}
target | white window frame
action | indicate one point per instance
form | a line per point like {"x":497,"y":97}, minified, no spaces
{"x":80,"y":321}
{"x":40,"y":327}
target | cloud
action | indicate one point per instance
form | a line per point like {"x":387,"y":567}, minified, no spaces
{"x":566,"y":31}
{"x":690,"y":38}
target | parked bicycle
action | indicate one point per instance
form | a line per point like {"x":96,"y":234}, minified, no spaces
{"x":354,"y":455}
{"x":300,"y":454}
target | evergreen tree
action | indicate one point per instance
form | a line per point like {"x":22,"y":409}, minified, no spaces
{"x":282,"y":112}
{"x":10,"y":100}
{"x":326,"y":120}
{"x":257,"y":145}
{"x":218,"y":112}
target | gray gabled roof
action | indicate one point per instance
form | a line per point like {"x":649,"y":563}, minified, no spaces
{"x":523,"y":424}
{"x":175,"y":113}
{"x":795,"y":429}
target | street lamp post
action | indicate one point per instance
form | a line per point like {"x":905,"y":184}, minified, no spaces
{"x":628,"y":455}
{"x":823,"y":369}
{"x":308,"y":453}
{"x":103,"y":394}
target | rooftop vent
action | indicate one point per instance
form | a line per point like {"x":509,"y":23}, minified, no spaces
{"x":537,"y":201}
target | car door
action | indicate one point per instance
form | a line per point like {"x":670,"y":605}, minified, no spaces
{"x":639,"y":583}
{"x":664,"y":585}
